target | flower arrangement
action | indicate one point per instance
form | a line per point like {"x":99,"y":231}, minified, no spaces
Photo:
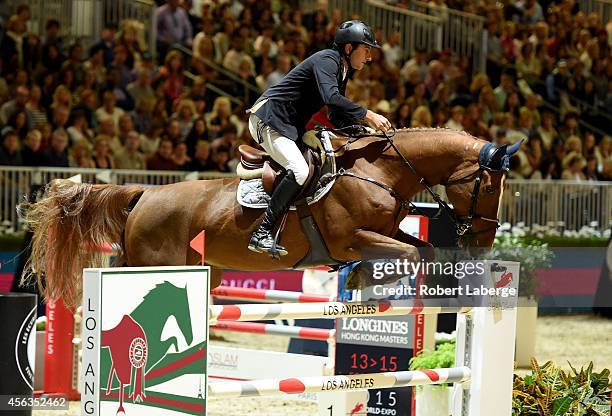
{"x":532,"y":254}
{"x":553,"y":229}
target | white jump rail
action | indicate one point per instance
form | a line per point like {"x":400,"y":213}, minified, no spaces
{"x":323,"y":310}
{"x":329,"y":384}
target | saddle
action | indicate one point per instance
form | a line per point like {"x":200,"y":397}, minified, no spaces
{"x":260,"y":174}
{"x":255,"y":163}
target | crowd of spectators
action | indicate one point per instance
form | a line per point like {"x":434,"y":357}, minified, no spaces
{"x":112,"y":104}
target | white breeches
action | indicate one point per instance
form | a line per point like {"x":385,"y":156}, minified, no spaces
{"x":283,"y":150}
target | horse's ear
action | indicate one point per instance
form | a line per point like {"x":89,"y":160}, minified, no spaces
{"x":514,"y":148}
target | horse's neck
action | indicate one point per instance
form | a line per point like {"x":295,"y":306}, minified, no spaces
{"x":435,"y":154}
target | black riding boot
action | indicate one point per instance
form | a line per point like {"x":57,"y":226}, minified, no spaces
{"x":262,"y":240}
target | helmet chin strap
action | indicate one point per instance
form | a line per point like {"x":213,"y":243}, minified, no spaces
{"x":347,"y":56}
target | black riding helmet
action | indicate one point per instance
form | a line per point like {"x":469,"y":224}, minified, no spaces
{"x":355,"y":32}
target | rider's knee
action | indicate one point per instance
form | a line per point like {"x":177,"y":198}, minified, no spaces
{"x":300,"y":171}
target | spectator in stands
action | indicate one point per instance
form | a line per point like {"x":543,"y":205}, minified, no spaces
{"x":573,"y":171}
{"x":487,"y":104}
{"x":149,"y":141}
{"x":88,"y":105}
{"x":162,"y":159}
{"x":19,"y":123}
{"x":79,"y":129}
{"x":104,"y":47}
{"x":416,"y":66}
{"x":173,"y":26}
{"x":15,"y":105}
{"x":109,"y":109}
{"x":30,"y":151}
{"x":421,"y":117}
{"x":80,"y":156}
{"x":53,"y":36}
{"x":528,"y":66}
{"x":392,"y":50}
{"x":201,"y":159}
{"x":141,"y":88}
{"x":557,"y":79}
{"x":171,"y":75}
{"x":101,"y":157}
{"x":106,"y":128}
{"x":126,"y":125}
{"x":536,"y":155}
{"x":129,"y":37}
{"x":184,"y":116}
{"x":220,"y":159}
{"x":181,"y":158}
{"x":130,"y":156}
{"x":525,"y":122}
{"x":547,"y":131}
{"x":221,"y":116}
{"x":504,"y":88}
{"x":173,"y":131}
{"x":402,"y":116}
{"x":10,"y":154}
{"x":57,"y":154}
{"x":61,"y":116}
{"x":197,"y":134}
{"x":14,"y":45}
{"x":38,"y":114}
{"x":143,"y":114}
{"x":455,"y":122}
{"x":236,"y":55}
{"x":283,"y":66}
{"x":435,"y":76}
{"x":418,"y":98}
{"x":570,"y":126}
{"x":591,"y":171}
{"x":241,"y":89}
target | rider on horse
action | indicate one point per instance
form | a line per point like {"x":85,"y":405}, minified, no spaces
{"x":279,"y":116}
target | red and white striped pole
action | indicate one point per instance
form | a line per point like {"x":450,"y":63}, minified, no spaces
{"x":243,"y":293}
{"x":317,"y":334}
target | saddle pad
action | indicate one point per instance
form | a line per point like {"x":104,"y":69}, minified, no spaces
{"x":251,"y":193}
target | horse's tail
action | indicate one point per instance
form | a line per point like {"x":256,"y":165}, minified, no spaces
{"x":69,"y":225}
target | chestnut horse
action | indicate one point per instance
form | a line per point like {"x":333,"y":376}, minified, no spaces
{"x":154,"y":225}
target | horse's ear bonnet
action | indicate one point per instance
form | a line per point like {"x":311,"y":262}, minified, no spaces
{"x":497,"y":158}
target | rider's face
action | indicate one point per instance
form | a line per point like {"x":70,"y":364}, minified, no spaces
{"x":361,"y":56}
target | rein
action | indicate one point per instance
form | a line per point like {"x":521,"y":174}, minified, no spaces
{"x":463,"y":223}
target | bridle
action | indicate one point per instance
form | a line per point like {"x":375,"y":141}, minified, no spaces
{"x":463,"y":223}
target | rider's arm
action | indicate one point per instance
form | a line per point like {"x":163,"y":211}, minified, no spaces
{"x":325,"y":74}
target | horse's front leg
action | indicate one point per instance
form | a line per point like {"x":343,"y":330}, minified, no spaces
{"x":426,"y":250}
{"x":369,"y":245}
{"x":372,"y":245}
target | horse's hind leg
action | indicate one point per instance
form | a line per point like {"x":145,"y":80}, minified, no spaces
{"x":154,"y":237}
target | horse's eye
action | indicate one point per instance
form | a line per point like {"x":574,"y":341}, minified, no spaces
{"x":490,"y":189}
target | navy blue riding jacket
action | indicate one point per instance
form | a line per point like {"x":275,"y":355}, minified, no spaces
{"x":315,"y":82}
